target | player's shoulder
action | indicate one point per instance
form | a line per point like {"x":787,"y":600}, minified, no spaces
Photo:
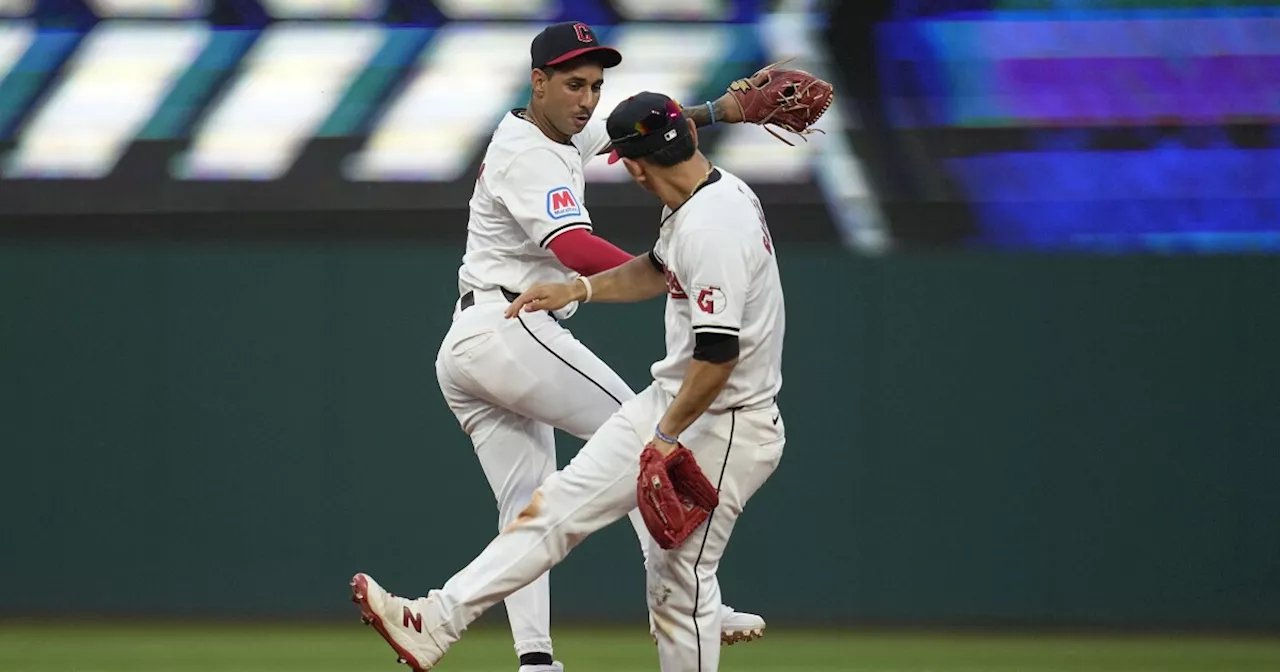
{"x":732,"y":189}
{"x":518,"y":146}
{"x":513,"y":136}
{"x":719,"y":205}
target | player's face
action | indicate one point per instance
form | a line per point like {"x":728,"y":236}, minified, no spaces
{"x":571,"y":97}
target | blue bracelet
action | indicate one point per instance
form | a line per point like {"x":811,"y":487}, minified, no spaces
{"x":657,"y":431}
{"x":712,"y":109}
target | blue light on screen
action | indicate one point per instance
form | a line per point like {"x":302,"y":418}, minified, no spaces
{"x":1064,"y":77}
{"x":1171,"y":199}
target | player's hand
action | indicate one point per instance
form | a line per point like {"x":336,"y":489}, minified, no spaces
{"x":547,"y":297}
{"x":688,"y":480}
{"x":669,"y":516}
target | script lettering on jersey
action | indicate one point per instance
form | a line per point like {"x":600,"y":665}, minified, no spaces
{"x":764,"y":226}
{"x":710,"y":300}
{"x":673,"y":286}
{"x":562,"y":203}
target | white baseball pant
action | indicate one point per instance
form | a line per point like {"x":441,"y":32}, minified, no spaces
{"x":738,"y":450}
{"x":510,"y":382}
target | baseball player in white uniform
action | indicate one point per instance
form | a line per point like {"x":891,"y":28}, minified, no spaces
{"x":690,"y":450}
{"x":510,"y":383}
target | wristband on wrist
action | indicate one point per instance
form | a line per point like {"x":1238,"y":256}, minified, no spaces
{"x":657,"y":431}
{"x":586,"y":283}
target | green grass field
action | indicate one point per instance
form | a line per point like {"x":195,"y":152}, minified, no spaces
{"x":352,"y":648}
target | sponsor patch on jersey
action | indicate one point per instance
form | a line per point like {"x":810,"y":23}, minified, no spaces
{"x":562,"y":203}
{"x":710,"y":300}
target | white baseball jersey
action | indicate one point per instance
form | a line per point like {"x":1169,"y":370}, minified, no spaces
{"x":722,"y":278}
{"x":529,"y":190}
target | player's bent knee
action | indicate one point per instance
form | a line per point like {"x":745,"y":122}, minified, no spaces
{"x":529,"y":513}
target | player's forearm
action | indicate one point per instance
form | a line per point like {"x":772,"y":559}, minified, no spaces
{"x":636,"y":280}
{"x":702,"y":384}
{"x":726,"y":112}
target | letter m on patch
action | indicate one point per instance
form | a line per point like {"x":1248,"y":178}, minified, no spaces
{"x":562,"y":203}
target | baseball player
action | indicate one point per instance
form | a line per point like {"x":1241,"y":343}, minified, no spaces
{"x":707,"y":432}
{"x":690,"y":450}
{"x":510,"y":383}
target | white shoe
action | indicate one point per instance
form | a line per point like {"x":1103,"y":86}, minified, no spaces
{"x":735,"y":626}
{"x":553,"y":667}
{"x":739,"y":626}
{"x":399,"y":621}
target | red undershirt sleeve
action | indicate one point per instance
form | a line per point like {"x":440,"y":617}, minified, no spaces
{"x":586,"y":253}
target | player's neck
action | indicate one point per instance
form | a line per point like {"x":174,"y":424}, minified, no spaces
{"x":681,"y":182}
{"x":537,"y":118}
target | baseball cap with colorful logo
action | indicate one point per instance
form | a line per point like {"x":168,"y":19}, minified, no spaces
{"x":644,"y":124}
{"x":560,"y":42}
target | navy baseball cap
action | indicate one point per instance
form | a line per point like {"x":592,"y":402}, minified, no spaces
{"x":644,"y":124}
{"x":560,"y":42}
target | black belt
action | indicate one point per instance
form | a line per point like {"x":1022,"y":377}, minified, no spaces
{"x":469,"y":299}
{"x":772,"y":402}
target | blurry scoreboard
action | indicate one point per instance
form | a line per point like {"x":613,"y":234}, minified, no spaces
{"x":138,"y":105}
{"x":1098,"y":125}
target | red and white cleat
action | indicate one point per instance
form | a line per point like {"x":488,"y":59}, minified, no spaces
{"x":399,"y":621}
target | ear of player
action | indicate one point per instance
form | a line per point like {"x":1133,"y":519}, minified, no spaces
{"x":673,"y":494}
{"x":790,"y":99}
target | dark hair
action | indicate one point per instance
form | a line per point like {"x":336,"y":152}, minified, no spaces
{"x":573,"y":64}
{"x":679,"y":151}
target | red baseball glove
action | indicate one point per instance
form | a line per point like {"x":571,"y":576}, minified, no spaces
{"x":790,"y":99}
{"x":674,"y":495}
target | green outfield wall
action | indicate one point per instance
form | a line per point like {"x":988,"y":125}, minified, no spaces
{"x":233,"y":429}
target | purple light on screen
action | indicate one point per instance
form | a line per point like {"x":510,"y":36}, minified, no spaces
{"x":1109,"y":71}
{"x":1141,"y":90}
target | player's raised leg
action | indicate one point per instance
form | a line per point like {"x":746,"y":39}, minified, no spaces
{"x":535,"y":367}
{"x":595,"y":489}
{"x":577,"y":374}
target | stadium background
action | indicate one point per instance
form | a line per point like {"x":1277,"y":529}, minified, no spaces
{"x":1032,"y":379}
